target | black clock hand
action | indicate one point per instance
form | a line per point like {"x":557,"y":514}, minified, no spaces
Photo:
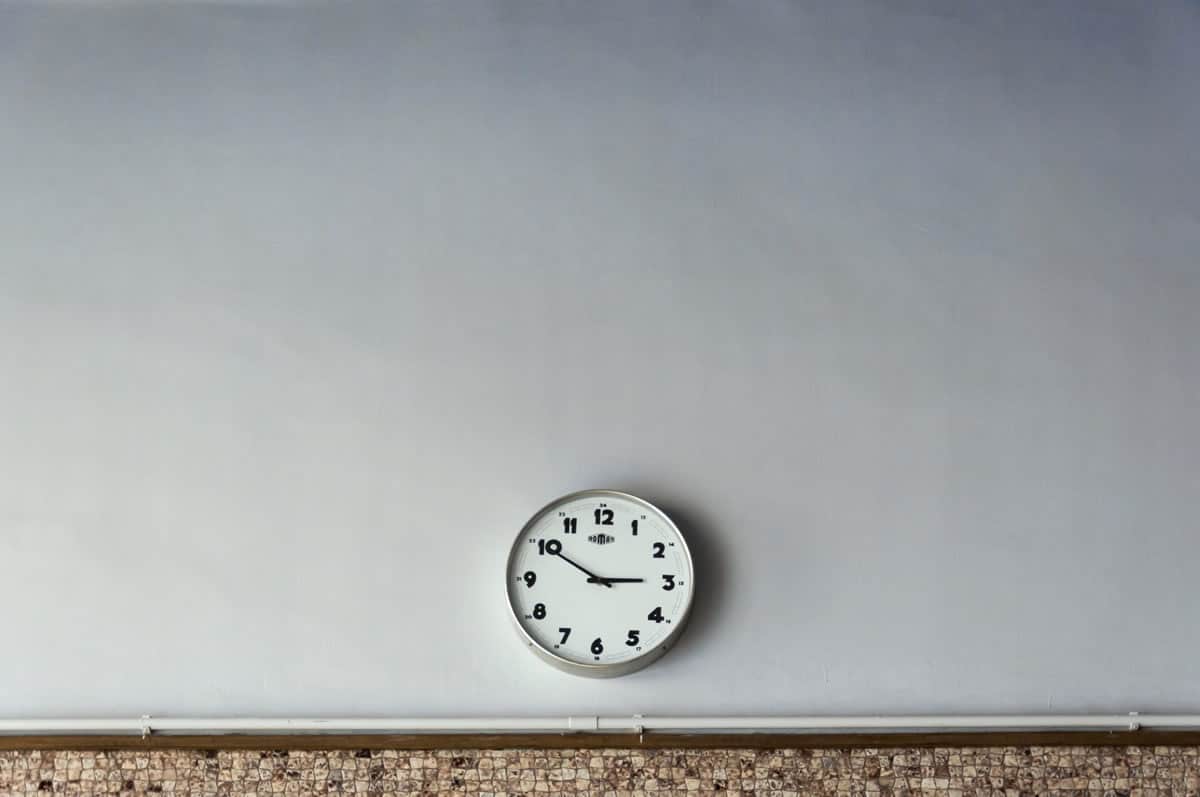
{"x":593,"y":578}
{"x":617,"y":580}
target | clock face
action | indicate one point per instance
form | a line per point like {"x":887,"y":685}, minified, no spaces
{"x":600,"y":583}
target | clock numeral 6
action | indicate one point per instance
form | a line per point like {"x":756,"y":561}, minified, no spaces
{"x":551,"y":547}
{"x":668,"y":582}
{"x":597,"y":646}
{"x":632,"y":639}
{"x":655,"y":615}
{"x":566,"y":632}
{"x":659,"y":551}
{"x":530,"y":578}
{"x":539,"y":611}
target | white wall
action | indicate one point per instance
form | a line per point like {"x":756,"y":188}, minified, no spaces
{"x":305,"y":309}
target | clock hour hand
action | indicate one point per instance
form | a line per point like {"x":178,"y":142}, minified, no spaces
{"x":592,"y":577}
{"x":617,"y":580}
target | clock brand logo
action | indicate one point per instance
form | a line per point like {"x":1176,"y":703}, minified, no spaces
{"x":602,"y":539}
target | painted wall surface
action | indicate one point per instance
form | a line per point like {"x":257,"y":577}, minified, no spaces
{"x":305,"y":308}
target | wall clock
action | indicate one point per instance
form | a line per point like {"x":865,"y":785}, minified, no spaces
{"x":600,"y":583}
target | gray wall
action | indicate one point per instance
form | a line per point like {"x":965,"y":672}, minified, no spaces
{"x":305,"y":309}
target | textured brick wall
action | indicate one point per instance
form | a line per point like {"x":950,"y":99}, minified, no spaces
{"x":620,"y":773}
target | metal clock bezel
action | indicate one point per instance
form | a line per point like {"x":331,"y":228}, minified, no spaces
{"x":614,"y":669}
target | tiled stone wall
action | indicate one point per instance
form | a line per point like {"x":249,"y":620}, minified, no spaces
{"x":619,"y":773}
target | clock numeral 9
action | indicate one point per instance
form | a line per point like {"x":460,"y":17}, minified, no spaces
{"x":659,"y":551}
{"x":632,"y":639}
{"x":539,"y":611}
{"x":551,"y":547}
{"x":566,"y":632}
{"x":597,"y":646}
{"x":530,"y":578}
{"x":655,"y":615}
{"x":604,"y":517}
{"x":668,"y":582}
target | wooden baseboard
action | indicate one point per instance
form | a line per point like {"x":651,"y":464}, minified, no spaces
{"x":629,"y":741}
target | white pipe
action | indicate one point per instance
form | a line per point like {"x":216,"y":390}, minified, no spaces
{"x":806,"y":724}
{"x":897,"y":722}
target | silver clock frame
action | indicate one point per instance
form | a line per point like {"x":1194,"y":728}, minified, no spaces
{"x":613,"y":669}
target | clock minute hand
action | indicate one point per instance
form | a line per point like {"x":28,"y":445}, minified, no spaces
{"x":617,"y":580}
{"x":592,"y":577}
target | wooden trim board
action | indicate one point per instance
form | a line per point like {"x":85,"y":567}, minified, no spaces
{"x":629,"y":741}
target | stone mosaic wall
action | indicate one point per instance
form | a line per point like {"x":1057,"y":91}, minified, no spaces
{"x":614,"y":773}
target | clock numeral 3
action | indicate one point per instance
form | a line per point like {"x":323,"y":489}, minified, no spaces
{"x":632,"y":639}
{"x":668,"y":582}
{"x":539,"y":611}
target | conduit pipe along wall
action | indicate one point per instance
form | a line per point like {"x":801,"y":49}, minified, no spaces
{"x":146,"y":725}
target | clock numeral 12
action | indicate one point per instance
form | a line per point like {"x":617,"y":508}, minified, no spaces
{"x":604,"y":517}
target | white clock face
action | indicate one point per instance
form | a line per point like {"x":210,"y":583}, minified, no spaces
{"x":600,"y":582}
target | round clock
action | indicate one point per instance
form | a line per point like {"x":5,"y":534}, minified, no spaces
{"x":600,"y":583}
